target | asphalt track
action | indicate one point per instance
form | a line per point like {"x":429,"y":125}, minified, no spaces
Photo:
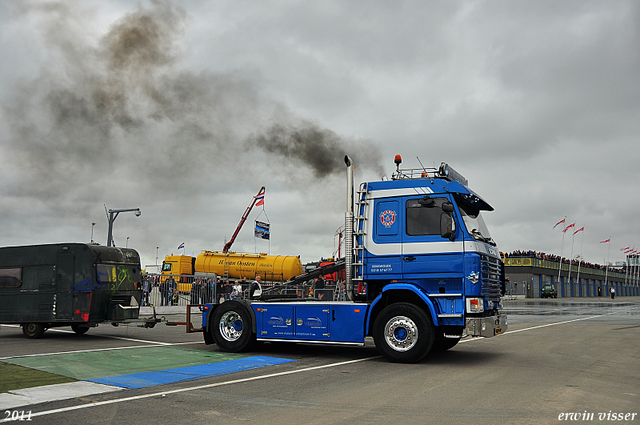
{"x":559,"y":356}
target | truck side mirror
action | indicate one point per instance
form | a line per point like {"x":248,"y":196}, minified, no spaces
{"x":447,"y":226}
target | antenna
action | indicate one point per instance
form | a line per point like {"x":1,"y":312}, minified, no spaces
{"x":425,"y":170}
{"x":425,"y":173}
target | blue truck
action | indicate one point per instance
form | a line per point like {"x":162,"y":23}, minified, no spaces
{"x":421,"y":273}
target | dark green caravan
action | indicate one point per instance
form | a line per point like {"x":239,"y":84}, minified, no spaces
{"x":68,"y":284}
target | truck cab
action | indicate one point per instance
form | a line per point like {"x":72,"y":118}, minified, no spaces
{"x":181,"y":268}
{"x":421,"y":234}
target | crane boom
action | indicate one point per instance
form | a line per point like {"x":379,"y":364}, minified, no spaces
{"x":227,"y":246}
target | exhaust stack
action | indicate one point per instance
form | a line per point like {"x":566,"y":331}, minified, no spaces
{"x":348,"y":226}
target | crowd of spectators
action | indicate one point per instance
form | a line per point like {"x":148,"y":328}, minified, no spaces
{"x":556,"y":258}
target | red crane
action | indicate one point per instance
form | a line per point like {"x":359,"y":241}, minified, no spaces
{"x":227,"y":246}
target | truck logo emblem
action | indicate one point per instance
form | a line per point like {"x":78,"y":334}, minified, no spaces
{"x":387,"y":218}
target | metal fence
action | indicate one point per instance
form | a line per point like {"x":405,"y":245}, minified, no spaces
{"x":195,"y":290}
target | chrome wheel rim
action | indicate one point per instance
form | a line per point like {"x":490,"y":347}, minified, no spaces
{"x":231,"y":326}
{"x":401,"y":333}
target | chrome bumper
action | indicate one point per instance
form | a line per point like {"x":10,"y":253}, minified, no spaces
{"x":486,"y":326}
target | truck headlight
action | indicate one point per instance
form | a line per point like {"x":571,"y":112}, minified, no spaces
{"x":475,"y":305}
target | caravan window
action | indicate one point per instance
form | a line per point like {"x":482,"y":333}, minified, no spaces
{"x":10,"y":278}
{"x":106,"y":273}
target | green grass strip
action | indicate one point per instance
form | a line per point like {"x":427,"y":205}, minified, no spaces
{"x":16,"y":377}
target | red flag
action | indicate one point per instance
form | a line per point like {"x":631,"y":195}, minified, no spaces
{"x":606,"y":240}
{"x":560,"y":222}
{"x":569,"y":227}
{"x":579,"y":230}
{"x":260,"y":199}
{"x":624,"y":249}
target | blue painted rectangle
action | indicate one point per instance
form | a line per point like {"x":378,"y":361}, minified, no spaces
{"x":167,"y":376}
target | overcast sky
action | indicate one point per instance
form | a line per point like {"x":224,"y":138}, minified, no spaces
{"x":185,"y":109}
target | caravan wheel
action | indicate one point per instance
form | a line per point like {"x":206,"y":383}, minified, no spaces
{"x":80,"y":329}
{"x":33,"y":330}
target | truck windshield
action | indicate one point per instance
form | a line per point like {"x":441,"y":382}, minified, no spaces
{"x":474,"y":222}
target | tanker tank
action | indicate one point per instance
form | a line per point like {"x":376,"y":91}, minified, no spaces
{"x":275,"y":268}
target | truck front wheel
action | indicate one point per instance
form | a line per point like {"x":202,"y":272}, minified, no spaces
{"x":231,"y":327}
{"x":403,"y":333}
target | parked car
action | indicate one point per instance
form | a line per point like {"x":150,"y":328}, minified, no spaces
{"x":549,"y":291}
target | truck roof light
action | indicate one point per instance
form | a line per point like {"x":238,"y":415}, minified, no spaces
{"x":450,"y":174}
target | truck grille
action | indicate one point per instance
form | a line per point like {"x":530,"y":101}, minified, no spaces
{"x":490,"y":278}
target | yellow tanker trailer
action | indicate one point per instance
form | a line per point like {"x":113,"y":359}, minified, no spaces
{"x":276,"y":268}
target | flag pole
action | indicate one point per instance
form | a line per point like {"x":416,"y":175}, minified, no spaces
{"x":606,"y":266}
{"x":626,"y":266}
{"x":633,"y":271}
{"x":564,"y":220}
{"x":580,"y":260}
{"x":573,"y":237}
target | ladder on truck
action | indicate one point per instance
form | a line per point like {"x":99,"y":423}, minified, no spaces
{"x":358,"y":249}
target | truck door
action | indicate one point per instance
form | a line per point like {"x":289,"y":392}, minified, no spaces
{"x":65,"y":270}
{"x":385,"y":251}
{"x":426,"y":254}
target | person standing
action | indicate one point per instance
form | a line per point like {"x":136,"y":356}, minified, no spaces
{"x":173,"y":291}
{"x":164,"y":292}
{"x":146,"y":290}
{"x":256,"y":289}
{"x":318,"y":287}
{"x":612,"y":290}
{"x":194,"y":293}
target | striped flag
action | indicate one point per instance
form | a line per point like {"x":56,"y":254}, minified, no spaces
{"x":569,"y":227}
{"x":624,"y":249}
{"x":560,"y":222}
{"x":259,"y":200}
{"x":181,"y":245}
{"x":606,"y":240}
{"x":579,"y":230}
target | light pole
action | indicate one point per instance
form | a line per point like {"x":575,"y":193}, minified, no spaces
{"x":127,"y":245}
{"x":113,"y":214}
{"x":92,"y":226}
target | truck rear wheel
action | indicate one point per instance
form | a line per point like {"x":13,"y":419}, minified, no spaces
{"x":33,"y":330}
{"x":231,"y":327}
{"x":403,"y":333}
